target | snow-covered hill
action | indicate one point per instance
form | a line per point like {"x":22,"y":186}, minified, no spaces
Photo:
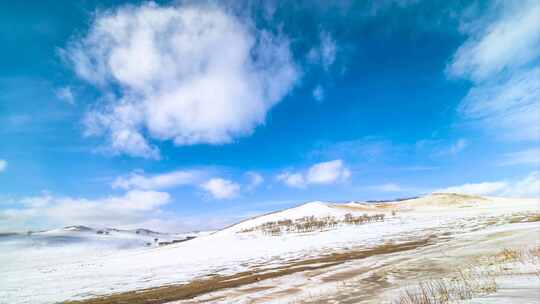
{"x":316,"y":209}
{"x":103,"y":239}
{"x":41,"y":268}
{"x":319,"y":209}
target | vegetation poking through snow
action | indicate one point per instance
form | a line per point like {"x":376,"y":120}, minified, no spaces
{"x":312,"y":223}
{"x":473,"y":281}
{"x":525,"y":218}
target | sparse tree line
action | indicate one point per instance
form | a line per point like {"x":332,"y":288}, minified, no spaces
{"x":311,"y":223}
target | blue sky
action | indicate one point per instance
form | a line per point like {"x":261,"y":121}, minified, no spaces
{"x":191,"y":115}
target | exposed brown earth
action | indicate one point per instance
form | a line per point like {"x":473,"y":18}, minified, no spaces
{"x":199,"y":287}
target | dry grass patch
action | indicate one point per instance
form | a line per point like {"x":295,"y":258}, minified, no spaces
{"x":471,"y":281}
{"x":464,"y":286}
{"x":525,"y":218}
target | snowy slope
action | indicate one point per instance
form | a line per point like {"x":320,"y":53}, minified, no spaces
{"x":317,"y":209}
{"x":74,"y":243}
{"x":92,"y":237}
{"x":51,"y":274}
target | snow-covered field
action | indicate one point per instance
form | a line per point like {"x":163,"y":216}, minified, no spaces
{"x":61,"y":265}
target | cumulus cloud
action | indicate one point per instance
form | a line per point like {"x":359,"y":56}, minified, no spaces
{"x":327,"y":172}
{"x":295,"y":180}
{"x":220,"y":188}
{"x":322,"y":173}
{"x":132,"y":208}
{"x":137,"y":180}
{"x":501,"y":57}
{"x":524,"y":157}
{"x":3,"y":165}
{"x":65,"y":94}
{"x":190,"y":74}
{"x":216,"y":187}
{"x":529,"y":186}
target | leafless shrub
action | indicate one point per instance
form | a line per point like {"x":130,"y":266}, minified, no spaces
{"x":311,"y":223}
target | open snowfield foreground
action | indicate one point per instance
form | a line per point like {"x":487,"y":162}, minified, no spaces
{"x":315,"y":253}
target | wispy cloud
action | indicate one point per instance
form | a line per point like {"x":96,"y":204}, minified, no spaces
{"x":65,"y":94}
{"x":500,"y":57}
{"x":138,"y":180}
{"x":324,"y":54}
{"x":454,"y":148}
{"x":524,"y":157}
{"x":366,"y":149}
{"x":255,"y":180}
{"x":436,"y":148}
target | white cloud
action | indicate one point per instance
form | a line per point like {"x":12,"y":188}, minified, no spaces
{"x":137,"y":180}
{"x":295,"y":180}
{"x":529,"y":186}
{"x":65,"y":94}
{"x":327,"y":172}
{"x":322,"y":173}
{"x":328,"y":50}
{"x":190,"y":74}
{"x":525,"y":157}
{"x":3,"y":165}
{"x":255,"y":179}
{"x":132,"y":208}
{"x":511,"y":106}
{"x":220,"y":188}
{"x":501,"y":58}
{"x":325,"y":53}
{"x":318,"y":93}
{"x":508,"y":41}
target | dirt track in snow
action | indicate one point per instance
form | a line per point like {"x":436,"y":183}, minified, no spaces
{"x":195,"y":288}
